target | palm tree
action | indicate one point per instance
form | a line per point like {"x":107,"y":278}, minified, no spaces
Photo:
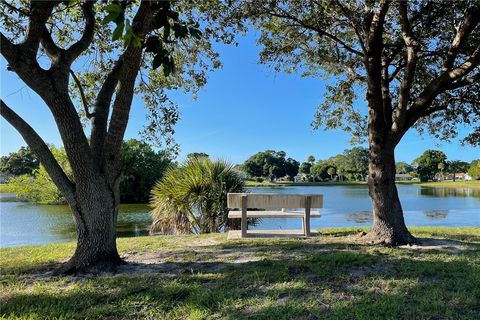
{"x":441,"y":167}
{"x":331,"y":171}
{"x":191,"y":197}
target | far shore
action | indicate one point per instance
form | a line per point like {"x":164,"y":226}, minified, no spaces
{"x":442,"y":184}
{"x":4,"y":188}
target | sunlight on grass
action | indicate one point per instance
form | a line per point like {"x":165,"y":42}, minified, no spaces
{"x":328,"y":277}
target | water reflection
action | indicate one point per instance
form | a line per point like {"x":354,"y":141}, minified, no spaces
{"x":449,"y":192}
{"x":360,"y":217}
{"x":436,"y":214}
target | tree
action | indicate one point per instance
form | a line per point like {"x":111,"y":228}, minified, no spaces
{"x":428,"y":164}
{"x":441,"y":167}
{"x":341,"y":164}
{"x":86,"y":61}
{"x":305,"y":168}
{"x":320,"y":170}
{"x":192,"y":197}
{"x":357,"y":162}
{"x":418,"y":63}
{"x":456,"y":166}
{"x":331,"y":171}
{"x":197,"y":155}
{"x":474,"y":170}
{"x":403,"y":167}
{"x":269,"y":163}
{"x":311,"y":160}
{"x":24,"y":161}
{"x":291,"y":167}
{"x":141,"y":167}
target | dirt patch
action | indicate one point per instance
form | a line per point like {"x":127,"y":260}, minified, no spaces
{"x":199,"y":257}
{"x":204,"y":243}
{"x":448,"y":246}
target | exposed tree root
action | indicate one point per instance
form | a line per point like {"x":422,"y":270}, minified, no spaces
{"x":387,"y":238}
{"x":76,"y":266}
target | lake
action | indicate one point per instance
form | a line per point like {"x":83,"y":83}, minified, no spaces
{"x":344,"y":206}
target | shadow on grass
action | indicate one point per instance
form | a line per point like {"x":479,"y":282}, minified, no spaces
{"x":290,"y":280}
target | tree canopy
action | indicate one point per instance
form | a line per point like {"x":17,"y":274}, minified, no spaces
{"x":271,"y":164}
{"x":428,"y":164}
{"x":23,"y":161}
{"x":427,"y":51}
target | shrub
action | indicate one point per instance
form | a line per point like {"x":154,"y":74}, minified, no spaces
{"x":192,"y":197}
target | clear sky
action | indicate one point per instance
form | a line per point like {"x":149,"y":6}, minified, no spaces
{"x":245,"y":108}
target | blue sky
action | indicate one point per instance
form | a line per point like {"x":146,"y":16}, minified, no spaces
{"x":245,"y":108}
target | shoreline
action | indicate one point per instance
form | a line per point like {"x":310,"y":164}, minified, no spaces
{"x":443,"y":184}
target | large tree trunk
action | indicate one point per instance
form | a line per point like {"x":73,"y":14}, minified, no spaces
{"x":95,"y":212}
{"x":388,"y":225}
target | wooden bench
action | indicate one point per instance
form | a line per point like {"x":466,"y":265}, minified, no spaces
{"x":268,"y":201}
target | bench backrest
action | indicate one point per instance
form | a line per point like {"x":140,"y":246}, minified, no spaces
{"x":274,"y":200}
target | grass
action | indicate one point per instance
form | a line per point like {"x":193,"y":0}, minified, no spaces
{"x":207,"y":277}
{"x":474,"y":184}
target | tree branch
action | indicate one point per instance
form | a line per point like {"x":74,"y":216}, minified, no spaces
{"x":102,"y":109}
{"x":21,"y":11}
{"x":81,"y":45}
{"x":42,"y":151}
{"x":130,"y":65}
{"x":471,"y":20}
{"x":82,"y":94}
{"x":320,"y":31}
{"x":439,"y":85}
{"x":464,"y":82}
{"x":410,"y":66}
{"x":40,"y":11}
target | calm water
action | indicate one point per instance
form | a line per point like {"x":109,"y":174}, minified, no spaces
{"x":24,"y":224}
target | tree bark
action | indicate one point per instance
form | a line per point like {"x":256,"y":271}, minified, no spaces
{"x":95,"y":213}
{"x":388,"y":225}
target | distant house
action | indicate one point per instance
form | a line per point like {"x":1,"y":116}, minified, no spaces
{"x":302,"y":177}
{"x":403,"y":177}
{"x":4,"y":177}
{"x":459,"y":176}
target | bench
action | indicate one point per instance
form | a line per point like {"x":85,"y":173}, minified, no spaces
{"x":288,"y":204}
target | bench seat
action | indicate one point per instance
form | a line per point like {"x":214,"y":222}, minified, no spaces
{"x":236,"y":214}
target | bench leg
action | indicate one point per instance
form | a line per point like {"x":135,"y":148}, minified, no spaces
{"x":243,"y":222}
{"x":308,"y":204}
{"x":304,"y":226}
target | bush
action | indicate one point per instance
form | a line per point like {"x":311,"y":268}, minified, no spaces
{"x":474,"y":170}
{"x":39,"y":187}
{"x":259,"y":179}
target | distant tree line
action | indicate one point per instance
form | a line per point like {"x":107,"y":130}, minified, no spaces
{"x":142,"y":167}
{"x":351,"y":165}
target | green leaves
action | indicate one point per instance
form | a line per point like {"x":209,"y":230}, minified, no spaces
{"x":115,"y":13}
{"x":118,"y":32}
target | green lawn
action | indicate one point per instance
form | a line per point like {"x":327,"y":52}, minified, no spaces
{"x":207,"y":277}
